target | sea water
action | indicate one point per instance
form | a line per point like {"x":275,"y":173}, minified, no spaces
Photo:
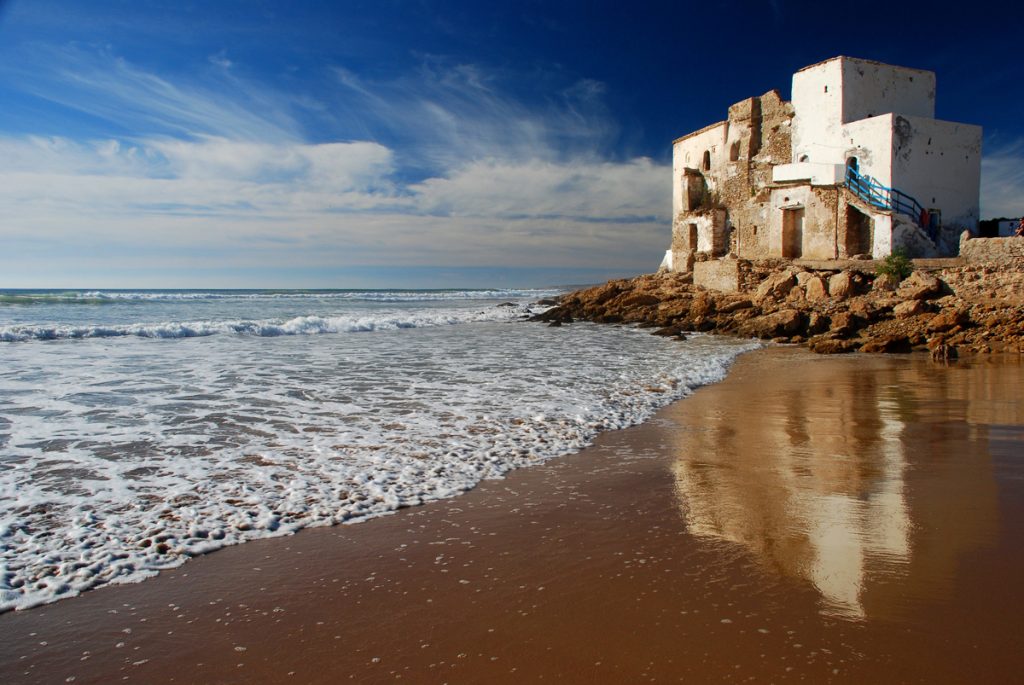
{"x":139,"y":428}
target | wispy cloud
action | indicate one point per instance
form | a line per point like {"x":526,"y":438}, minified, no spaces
{"x":445,"y":115}
{"x":1002,"y":181}
{"x":441,"y":167}
{"x":103,"y":85}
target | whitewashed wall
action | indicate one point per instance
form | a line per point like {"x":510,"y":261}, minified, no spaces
{"x":870,"y":141}
{"x":818,"y":113}
{"x":688,"y":153}
{"x":870,"y":89}
{"x":939,"y":163}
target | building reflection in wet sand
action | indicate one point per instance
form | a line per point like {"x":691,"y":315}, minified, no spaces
{"x":869,"y":479}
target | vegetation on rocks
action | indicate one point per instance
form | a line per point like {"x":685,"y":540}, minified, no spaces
{"x":897,"y":265}
{"x":969,"y":308}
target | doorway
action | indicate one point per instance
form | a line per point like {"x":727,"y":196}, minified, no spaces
{"x":859,"y":234}
{"x":792,"y":233}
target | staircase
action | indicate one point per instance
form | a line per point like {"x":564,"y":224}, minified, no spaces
{"x":875,"y":194}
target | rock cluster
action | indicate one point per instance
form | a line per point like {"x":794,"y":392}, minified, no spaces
{"x":969,"y":308}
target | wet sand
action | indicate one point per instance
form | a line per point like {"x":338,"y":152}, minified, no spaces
{"x":817,"y":519}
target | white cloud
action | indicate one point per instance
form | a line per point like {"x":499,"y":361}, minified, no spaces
{"x":1002,"y":181}
{"x":470,"y":176}
{"x":108,"y":87}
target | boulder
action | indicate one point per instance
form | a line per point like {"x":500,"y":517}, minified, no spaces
{"x":948,"y":319}
{"x":731,"y":306}
{"x":776,"y":286}
{"x":824,"y":345}
{"x":802,"y":277}
{"x":844,"y":324}
{"x":887,"y":343}
{"x":865,"y":309}
{"x":885,"y":283}
{"x":909,"y":308}
{"x":942,"y":352}
{"x":639,"y":300}
{"x":815,"y":289}
{"x":817,"y":323}
{"x":840,"y":286}
{"x":783,"y":322}
{"x":920,"y":286}
{"x":703,"y":305}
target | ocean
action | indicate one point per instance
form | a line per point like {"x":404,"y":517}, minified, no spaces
{"x":140,"y":428}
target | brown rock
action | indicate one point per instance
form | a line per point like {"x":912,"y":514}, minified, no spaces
{"x":920,"y":286}
{"x":703,"y":305}
{"x":639,"y":300}
{"x":823,"y":345}
{"x":817,"y":323}
{"x":783,"y":322}
{"x":885,"y":283}
{"x":845,"y":323}
{"x":888,"y":343}
{"x":734,"y":305}
{"x":909,"y":308}
{"x":948,"y":319}
{"x":816,"y":289}
{"x":776,"y":286}
{"x":840,"y":286}
{"x":865,"y":309}
{"x":941,"y":352}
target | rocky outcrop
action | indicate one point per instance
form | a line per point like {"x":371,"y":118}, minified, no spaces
{"x":967,"y":309}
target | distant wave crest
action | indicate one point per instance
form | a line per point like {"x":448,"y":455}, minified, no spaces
{"x":301,"y":325}
{"x":112,"y":296}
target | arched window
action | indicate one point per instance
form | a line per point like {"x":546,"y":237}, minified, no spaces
{"x":734,"y":151}
{"x":706,"y":164}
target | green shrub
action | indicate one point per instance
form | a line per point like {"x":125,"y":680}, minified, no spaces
{"x":897,"y":264}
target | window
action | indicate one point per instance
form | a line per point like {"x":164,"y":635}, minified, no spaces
{"x":734,"y":151}
{"x":706,"y":165}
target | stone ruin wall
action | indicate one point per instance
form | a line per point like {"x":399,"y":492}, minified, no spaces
{"x":731,"y":202}
{"x":765,"y":123}
{"x":993,"y":251}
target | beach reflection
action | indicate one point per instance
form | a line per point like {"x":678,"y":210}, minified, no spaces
{"x":867,"y":478}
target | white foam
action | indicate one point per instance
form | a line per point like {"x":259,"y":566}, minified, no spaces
{"x":345,"y":295}
{"x":300,"y":325}
{"x":121,"y":457}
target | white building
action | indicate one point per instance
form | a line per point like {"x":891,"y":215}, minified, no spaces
{"x":856,"y":164}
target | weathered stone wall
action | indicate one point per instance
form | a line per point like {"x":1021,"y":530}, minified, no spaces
{"x":766,"y":122}
{"x":722,"y":275}
{"x":818,"y":207}
{"x":993,"y":251}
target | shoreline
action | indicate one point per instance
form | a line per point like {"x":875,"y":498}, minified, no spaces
{"x":616,"y":563}
{"x":829,"y":308}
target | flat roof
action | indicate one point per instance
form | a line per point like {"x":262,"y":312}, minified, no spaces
{"x":862,"y":61}
{"x":699,"y":131}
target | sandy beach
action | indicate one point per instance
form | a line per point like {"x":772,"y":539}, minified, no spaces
{"x":818,"y":519}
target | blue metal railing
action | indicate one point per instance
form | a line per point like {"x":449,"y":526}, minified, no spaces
{"x":883,"y":197}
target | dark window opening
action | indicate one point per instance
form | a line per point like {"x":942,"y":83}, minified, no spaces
{"x":706,"y":164}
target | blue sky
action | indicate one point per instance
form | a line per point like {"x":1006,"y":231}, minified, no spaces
{"x":416,"y":144}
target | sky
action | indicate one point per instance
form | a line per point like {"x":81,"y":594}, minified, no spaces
{"x":432,"y":144}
